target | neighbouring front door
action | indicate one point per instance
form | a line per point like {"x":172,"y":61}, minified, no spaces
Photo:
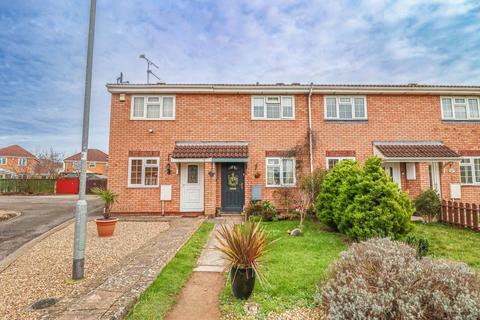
{"x":393,"y":170}
{"x":233,"y":187}
{"x":434,"y":175}
{"x":191,"y":187}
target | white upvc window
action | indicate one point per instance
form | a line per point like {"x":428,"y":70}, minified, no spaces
{"x":332,"y":161}
{"x":273,"y":107}
{"x":460,"y":108}
{"x":22,"y":162}
{"x":470,"y":171}
{"x":153,"y":108}
{"x":3,"y":160}
{"x":345,"y":108}
{"x":76,"y":165}
{"x":143,"y":172}
{"x":92,"y":164}
{"x":281,"y":172}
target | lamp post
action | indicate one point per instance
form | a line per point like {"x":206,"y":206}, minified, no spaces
{"x":81,"y":207}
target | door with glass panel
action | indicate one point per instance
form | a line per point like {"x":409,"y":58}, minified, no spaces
{"x":434,"y":175}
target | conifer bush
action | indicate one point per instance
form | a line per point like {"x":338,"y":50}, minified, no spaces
{"x":364,"y":202}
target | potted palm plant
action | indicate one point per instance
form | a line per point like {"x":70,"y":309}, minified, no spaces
{"x":243,"y":245}
{"x":106,"y":225}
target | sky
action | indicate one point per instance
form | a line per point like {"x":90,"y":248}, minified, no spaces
{"x":43,"y":52}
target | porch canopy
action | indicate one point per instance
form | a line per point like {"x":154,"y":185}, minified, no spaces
{"x":414,"y":151}
{"x":210,"y":151}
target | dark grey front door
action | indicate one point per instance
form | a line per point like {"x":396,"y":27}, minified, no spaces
{"x":233,"y":187}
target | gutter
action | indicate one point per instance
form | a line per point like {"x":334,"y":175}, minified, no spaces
{"x":310,"y":133}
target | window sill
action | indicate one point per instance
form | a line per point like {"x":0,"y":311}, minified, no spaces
{"x":280,"y":187}
{"x":265,"y":119}
{"x":356,"y":121}
{"x":451,"y":121}
{"x":142,"y":119}
{"x":143,"y":187}
{"x":470,"y":185}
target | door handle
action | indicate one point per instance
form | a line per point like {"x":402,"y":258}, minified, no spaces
{"x":241,"y":185}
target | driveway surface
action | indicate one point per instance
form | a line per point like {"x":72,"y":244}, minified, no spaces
{"x":39,"y":214}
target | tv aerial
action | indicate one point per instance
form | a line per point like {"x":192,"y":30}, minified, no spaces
{"x":120,"y":79}
{"x":149,"y":71}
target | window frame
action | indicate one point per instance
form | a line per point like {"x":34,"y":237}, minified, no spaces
{"x":264,"y":97}
{"x":145,"y":103}
{"x":337,"y":108}
{"x":143,"y":185}
{"x":337,"y":158}
{"x":90,"y":164}
{"x":472,"y":167}
{"x":282,"y":184}
{"x":3,"y":161}
{"x":452,"y":100}
{"x":21,"y":160}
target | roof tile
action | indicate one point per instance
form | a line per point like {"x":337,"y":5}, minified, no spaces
{"x":210,"y":151}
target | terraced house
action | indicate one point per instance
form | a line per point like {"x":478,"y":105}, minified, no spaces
{"x":200,"y":148}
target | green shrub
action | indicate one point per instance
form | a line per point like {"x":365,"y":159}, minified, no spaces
{"x":419,"y":243}
{"x":346,"y":172}
{"x":263,"y":209}
{"x":364,"y":203}
{"x":428,"y":205}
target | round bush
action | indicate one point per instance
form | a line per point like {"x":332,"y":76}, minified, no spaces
{"x":383,"y":279}
{"x":428,"y":205}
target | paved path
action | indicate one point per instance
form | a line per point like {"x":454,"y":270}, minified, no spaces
{"x":201,"y":294}
{"x":39,"y":214}
{"x":115,"y":293}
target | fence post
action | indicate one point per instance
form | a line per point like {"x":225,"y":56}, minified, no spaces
{"x":461,"y":212}
{"x":468,"y":213}
{"x":455,"y":213}
{"x":475,"y":212}
{"x":450,"y":212}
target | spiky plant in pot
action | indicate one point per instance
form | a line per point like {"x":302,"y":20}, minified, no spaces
{"x":106,"y":226}
{"x":244,"y":246}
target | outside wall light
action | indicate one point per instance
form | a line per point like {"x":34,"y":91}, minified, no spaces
{"x":211,"y":173}
{"x":150,"y":130}
{"x":122,"y":97}
{"x":168,"y":169}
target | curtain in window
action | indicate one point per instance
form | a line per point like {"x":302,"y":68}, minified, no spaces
{"x":331,"y":107}
{"x":473,"y":108}
{"x":447,"y":108}
{"x":138,"y":104}
{"x":287,"y":107}
{"x":288,"y":171}
{"x":258,"y":107}
{"x":167,"y":111}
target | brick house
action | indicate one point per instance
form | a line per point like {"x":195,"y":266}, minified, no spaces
{"x":203,"y":148}
{"x":16,"y":162}
{"x":97,"y":162}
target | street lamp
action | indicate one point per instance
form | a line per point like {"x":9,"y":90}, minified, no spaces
{"x":81,"y":207}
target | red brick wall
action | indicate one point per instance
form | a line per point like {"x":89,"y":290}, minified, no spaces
{"x":227,"y":117}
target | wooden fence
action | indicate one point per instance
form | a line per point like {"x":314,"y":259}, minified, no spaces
{"x":461,"y":214}
{"x":27,"y":186}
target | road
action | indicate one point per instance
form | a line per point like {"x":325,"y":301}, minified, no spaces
{"x":39,"y":214}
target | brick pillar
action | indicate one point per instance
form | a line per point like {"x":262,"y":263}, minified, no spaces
{"x":210,"y":192}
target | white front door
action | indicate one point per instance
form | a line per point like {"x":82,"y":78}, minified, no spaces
{"x":393,"y":170}
{"x":191,"y":187}
{"x":434,"y":175}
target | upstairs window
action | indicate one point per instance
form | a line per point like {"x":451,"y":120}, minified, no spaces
{"x":470,"y":171}
{"x":280,"y":172}
{"x":143,"y":172}
{"x":22,"y":162}
{"x":345,"y":108}
{"x":460,"y":108}
{"x":332,"y":161}
{"x":153,"y":108}
{"x":92,"y":164}
{"x":3,"y":160}
{"x":273,"y":107}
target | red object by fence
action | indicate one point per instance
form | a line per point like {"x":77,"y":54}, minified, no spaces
{"x":67,"y":185}
{"x":461,"y":214}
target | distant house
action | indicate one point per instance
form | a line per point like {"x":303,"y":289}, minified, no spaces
{"x":16,"y":162}
{"x":97,"y":162}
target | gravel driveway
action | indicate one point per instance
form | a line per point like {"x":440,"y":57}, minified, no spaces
{"x":39,"y":214}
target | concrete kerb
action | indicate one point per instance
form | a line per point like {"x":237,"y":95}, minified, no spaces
{"x":8,"y":260}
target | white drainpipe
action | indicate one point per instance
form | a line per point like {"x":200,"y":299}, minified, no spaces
{"x":310,"y":134}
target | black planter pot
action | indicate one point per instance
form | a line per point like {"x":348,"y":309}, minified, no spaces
{"x":243,"y":281}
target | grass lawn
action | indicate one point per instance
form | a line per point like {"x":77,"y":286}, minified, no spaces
{"x":293,"y":267}
{"x":452,"y":243}
{"x":158,"y":299}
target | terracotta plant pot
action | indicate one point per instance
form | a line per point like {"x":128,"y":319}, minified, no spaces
{"x":243,"y":281}
{"x":106,"y":227}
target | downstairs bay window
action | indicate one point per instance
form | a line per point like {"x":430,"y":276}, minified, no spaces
{"x":143,"y":172}
{"x":470,"y":171}
{"x":280,"y":172}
